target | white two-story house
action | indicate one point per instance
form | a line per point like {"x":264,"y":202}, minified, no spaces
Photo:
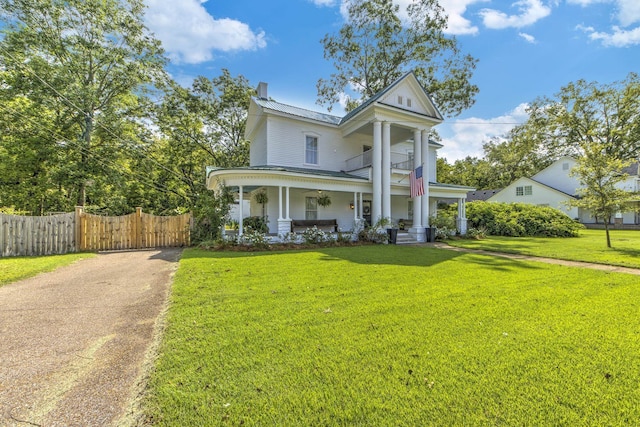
{"x":555,"y":186}
{"x":361,"y":161}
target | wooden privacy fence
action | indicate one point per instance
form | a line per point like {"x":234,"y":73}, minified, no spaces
{"x":37,"y":235}
{"x":80,"y":231}
{"x":135,"y":231}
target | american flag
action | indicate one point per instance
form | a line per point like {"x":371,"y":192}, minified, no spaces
{"x":416,"y":183}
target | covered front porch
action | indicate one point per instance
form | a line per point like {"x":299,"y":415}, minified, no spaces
{"x":294,"y":195}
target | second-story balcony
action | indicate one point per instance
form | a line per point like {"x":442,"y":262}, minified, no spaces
{"x":398,"y":161}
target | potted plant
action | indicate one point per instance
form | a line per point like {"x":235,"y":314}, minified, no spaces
{"x":324,"y":200}
{"x":262,"y":198}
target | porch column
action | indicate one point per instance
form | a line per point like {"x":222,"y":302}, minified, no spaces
{"x":376,"y":165}
{"x":360,"y":206}
{"x":386,"y":170}
{"x":356,"y":207}
{"x":462,"y":216}
{"x":417,"y":229}
{"x":287,"y":202}
{"x":284,"y":224}
{"x":241,"y":210}
{"x":280,"y":203}
{"x":425,"y":178}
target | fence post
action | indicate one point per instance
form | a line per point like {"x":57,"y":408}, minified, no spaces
{"x":78,"y":229}
{"x":138,"y":228}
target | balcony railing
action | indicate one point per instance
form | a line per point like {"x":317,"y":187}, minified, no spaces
{"x":398,"y":161}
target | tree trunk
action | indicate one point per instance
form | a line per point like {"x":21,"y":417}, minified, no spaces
{"x":606,"y":228}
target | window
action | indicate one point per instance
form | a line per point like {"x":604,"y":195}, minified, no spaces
{"x":399,"y":99}
{"x":519,"y":191}
{"x":565,"y":166}
{"x":409,"y":102}
{"x":311,"y":150}
{"x":311,"y":208}
{"x":528,"y":190}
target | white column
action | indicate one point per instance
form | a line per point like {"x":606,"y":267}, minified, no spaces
{"x":425,"y":177}
{"x":287,"y":203}
{"x":355,"y":207}
{"x":417,"y":161}
{"x":360,"y":207}
{"x":241,"y":210}
{"x":376,"y":165}
{"x":280,"y":203}
{"x":462,"y":216}
{"x":386,"y":170}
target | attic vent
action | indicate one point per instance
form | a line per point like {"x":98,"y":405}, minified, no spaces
{"x":399,"y":99}
{"x":262,"y":90}
{"x":409,"y":102}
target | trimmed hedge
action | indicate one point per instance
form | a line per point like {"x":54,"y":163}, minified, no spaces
{"x":520,"y":219}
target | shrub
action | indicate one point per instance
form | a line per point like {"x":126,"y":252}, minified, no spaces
{"x":315,"y":235}
{"x":377,"y":233}
{"x":520,"y":219}
{"x":255,"y":223}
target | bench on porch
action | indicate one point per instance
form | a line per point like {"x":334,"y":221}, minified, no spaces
{"x":300,"y":225}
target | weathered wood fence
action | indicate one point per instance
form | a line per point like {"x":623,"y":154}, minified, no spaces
{"x":80,"y":231}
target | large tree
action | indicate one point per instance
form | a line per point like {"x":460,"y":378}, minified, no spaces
{"x":599,"y":124}
{"x":585,"y":113}
{"x":378,"y":44}
{"x":202,"y":126}
{"x":88,"y":62}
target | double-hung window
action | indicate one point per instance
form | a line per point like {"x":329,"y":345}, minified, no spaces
{"x":311,"y":150}
{"x":311,"y":208}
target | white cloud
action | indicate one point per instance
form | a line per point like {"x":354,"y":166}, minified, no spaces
{"x":618,"y":38}
{"x":190,"y":34}
{"x":465,"y":137}
{"x":323,"y":2}
{"x":629,"y":12}
{"x":529,"y":12}
{"x":528,"y":37}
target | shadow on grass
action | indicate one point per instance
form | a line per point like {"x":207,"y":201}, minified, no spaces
{"x":414,"y":256}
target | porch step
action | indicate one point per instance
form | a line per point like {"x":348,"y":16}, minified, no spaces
{"x":405,"y":239}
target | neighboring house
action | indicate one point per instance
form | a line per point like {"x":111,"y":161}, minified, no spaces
{"x":555,"y":187}
{"x":362,"y":161}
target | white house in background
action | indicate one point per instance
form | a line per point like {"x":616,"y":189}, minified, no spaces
{"x":555,"y":187}
{"x":361,"y":161}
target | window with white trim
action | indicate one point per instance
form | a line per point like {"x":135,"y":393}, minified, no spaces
{"x":311,"y":150}
{"x":528,"y":190}
{"x":519,"y":191}
{"x":311,"y":208}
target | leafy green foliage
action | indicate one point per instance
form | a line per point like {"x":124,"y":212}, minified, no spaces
{"x":375,"y":47}
{"x":210,"y":215}
{"x":255,"y":223}
{"x":520,"y":219}
{"x":386,"y":335}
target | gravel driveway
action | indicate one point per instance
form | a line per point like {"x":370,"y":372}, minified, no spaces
{"x":73,"y":342}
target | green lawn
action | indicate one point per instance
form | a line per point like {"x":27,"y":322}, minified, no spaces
{"x":17,"y":268}
{"x":395,"y":336}
{"x":591,"y":246}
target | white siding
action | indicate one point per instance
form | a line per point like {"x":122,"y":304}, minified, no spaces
{"x":556,"y":177}
{"x":287,"y":140}
{"x":258,"y":149}
{"x":541,"y":195}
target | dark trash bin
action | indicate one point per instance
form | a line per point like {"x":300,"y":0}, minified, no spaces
{"x":431,"y":234}
{"x":393,"y":235}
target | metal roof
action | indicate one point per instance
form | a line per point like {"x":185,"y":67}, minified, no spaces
{"x":297,"y":111}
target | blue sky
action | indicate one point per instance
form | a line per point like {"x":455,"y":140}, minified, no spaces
{"x":526,"y":49}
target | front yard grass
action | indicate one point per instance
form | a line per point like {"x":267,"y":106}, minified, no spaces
{"x":18,"y":268}
{"x":590,"y":246}
{"x":395,"y":336}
